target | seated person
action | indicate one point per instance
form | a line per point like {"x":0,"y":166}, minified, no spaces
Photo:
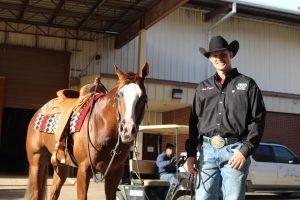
{"x":166,"y":165}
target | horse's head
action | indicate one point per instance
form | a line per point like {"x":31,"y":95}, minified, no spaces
{"x":131,"y":99}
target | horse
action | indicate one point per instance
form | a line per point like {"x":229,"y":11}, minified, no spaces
{"x":110,"y":129}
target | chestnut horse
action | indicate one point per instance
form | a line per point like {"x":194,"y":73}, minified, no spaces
{"x":114,"y":118}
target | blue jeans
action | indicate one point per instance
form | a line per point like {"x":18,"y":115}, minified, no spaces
{"x":216,"y":174}
{"x":169,"y":177}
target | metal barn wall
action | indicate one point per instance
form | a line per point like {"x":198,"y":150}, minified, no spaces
{"x":268,"y":52}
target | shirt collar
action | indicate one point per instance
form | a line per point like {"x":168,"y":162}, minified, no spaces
{"x":231,"y":74}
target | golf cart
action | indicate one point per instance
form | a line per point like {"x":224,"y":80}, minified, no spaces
{"x":155,"y":189}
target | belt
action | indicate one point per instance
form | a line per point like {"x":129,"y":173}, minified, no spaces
{"x":218,"y":141}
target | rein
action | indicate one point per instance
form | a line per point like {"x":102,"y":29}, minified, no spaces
{"x":121,"y":129}
{"x":114,"y":152}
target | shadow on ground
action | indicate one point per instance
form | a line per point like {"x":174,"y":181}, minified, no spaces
{"x":12,"y":193}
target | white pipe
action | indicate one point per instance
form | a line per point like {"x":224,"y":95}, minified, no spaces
{"x":210,"y":29}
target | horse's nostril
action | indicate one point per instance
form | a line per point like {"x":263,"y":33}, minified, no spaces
{"x":121,"y":128}
{"x":133,"y":130}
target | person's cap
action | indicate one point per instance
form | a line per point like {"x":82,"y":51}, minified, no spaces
{"x":218,"y":43}
{"x":169,"y":146}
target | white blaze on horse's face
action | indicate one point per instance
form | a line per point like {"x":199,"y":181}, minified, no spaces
{"x":131,"y":94}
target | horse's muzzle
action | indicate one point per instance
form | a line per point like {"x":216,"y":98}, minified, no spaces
{"x":127,"y":131}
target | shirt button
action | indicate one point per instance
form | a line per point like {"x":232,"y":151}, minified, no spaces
{"x":222,"y":92}
{"x":218,"y":124}
{"x":221,"y":102}
{"x":219,"y":113}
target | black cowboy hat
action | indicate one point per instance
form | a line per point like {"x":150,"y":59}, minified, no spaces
{"x":218,"y":43}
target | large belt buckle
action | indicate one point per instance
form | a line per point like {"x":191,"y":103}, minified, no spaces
{"x":217,"y":141}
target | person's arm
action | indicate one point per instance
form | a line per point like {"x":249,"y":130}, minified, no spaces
{"x":256,"y":122}
{"x":192,"y":142}
{"x":161,"y":163}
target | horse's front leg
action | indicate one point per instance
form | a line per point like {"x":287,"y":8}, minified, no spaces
{"x":83,"y":180}
{"x":112,"y":181}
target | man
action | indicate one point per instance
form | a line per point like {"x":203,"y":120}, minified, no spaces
{"x":226,"y":124}
{"x":166,"y":165}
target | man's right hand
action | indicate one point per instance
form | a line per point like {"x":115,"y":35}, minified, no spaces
{"x":192,"y":165}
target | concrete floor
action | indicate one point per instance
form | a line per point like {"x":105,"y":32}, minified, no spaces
{"x":14,"y":188}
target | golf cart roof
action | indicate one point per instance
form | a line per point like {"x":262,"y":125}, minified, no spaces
{"x":165,"y":129}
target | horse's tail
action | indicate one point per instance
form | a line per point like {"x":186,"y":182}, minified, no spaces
{"x":29,"y":195}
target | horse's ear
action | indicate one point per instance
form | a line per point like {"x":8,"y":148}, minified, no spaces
{"x":119,"y":73}
{"x":145,"y":70}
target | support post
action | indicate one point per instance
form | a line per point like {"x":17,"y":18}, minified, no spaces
{"x":142,"y":49}
{"x":210,"y":30}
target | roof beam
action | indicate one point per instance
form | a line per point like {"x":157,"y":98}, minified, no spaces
{"x":22,"y":9}
{"x":55,"y":12}
{"x":112,"y":4}
{"x":88,"y":16}
{"x":160,"y":10}
{"x":64,"y":13}
{"x":219,"y":10}
{"x":88,"y":29}
{"x":123,"y":14}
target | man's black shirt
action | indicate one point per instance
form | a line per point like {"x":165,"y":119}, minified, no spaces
{"x":234,"y":109}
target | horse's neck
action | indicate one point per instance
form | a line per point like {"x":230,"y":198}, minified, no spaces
{"x":106,"y":107}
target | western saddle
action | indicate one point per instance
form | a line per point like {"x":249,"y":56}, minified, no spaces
{"x":67,"y":102}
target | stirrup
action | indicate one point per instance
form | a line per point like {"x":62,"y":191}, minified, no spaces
{"x":59,"y":149}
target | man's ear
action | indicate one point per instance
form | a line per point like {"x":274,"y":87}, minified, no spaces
{"x":231,"y":54}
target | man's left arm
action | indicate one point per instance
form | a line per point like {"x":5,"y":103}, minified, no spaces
{"x":255,"y":127}
{"x":256,"y":122}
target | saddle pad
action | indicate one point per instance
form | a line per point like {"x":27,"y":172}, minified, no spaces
{"x":78,"y":118}
{"x":48,"y":122}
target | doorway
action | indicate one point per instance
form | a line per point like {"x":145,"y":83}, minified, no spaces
{"x":151,"y":146}
{"x":13,"y":141}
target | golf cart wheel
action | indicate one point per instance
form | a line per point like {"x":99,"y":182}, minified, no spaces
{"x":184,"y":197}
{"x":119,"y":196}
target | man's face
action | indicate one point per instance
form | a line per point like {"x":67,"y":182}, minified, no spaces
{"x":170,"y":151}
{"x":221,"y":60}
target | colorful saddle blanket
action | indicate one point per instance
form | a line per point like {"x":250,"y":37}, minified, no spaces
{"x":48,"y":122}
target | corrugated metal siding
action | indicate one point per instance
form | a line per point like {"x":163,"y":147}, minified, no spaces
{"x":268,"y":52}
{"x":173,"y":45}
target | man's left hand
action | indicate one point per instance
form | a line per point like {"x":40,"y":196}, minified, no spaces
{"x":238,"y":160}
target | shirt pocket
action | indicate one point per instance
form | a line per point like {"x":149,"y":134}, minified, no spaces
{"x":239,"y":98}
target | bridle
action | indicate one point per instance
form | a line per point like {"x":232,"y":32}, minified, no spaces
{"x":121,"y":121}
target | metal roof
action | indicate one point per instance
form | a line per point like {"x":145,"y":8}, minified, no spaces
{"x":102,"y":16}
{"x":85,"y":19}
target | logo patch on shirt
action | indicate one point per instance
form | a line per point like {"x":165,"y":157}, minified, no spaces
{"x":241,"y":86}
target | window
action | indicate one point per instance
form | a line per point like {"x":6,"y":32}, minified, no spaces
{"x":263,"y":153}
{"x":283,"y":155}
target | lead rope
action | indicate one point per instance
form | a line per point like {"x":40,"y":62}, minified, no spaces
{"x":138,"y":174}
{"x":114,"y":152}
{"x":137,"y":167}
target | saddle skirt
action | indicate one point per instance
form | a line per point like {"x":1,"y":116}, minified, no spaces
{"x":64,"y":111}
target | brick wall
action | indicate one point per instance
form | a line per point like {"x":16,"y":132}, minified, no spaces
{"x":180,"y":117}
{"x":282,"y":128}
